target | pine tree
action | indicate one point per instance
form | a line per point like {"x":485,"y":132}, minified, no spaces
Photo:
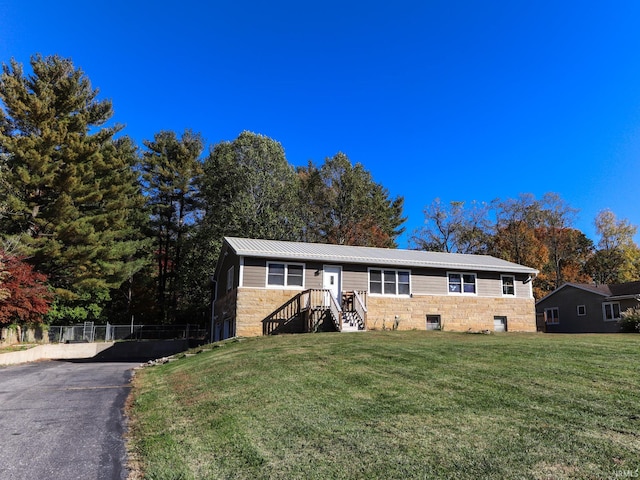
{"x":171,"y":171}
{"x":70,"y":192}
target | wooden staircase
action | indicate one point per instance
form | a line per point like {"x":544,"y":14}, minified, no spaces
{"x":314,"y":310}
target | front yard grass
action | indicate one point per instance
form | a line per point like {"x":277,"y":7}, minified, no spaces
{"x":393,"y":405}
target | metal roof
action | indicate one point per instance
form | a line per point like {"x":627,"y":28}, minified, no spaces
{"x":371,"y":256}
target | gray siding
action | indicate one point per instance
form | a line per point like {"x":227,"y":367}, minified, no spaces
{"x":254,"y":272}
{"x":488,"y":284}
{"x":230,"y":260}
{"x":356,"y":277}
{"x":311,"y":280}
{"x":567,"y":300}
{"x":428,"y":282}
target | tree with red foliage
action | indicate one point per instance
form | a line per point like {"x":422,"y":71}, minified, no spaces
{"x":27,"y":296}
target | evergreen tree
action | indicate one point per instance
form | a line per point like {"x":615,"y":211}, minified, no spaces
{"x":70,"y":193}
{"x":171,"y":172}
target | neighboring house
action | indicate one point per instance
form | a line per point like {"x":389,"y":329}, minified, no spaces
{"x":264,"y":287}
{"x":586,"y":308}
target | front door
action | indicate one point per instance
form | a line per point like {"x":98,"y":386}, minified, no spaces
{"x":332,"y":280}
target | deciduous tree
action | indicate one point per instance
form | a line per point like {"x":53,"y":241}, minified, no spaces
{"x":24,"y":294}
{"x":344,"y":205}
{"x":454,"y":228}
{"x":249,"y":190}
{"x":617,"y":259}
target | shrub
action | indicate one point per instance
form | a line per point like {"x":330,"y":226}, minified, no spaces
{"x":630,"y":320}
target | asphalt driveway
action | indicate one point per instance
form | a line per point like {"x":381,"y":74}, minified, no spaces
{"x":63,"y":420}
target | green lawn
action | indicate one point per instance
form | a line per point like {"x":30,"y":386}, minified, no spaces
{"x":394,"y":405}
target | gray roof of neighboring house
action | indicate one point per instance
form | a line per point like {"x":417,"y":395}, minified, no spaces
{"x":611,"y":291}
{"x":371,"y":256}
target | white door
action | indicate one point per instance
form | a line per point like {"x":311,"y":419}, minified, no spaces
{"x":331,"y":280}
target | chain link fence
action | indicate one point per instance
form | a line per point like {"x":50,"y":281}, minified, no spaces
{"x":88,"y":332}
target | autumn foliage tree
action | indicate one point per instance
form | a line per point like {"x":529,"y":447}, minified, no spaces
{"x":25,"y":295}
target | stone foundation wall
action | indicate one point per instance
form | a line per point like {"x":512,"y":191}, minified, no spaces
{"x":457,"y":313}
{"x":254,"y":305}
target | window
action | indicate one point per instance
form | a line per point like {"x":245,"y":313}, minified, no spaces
{"x":552,"y":315}
{"x":499,"y":324}
{"x":375,"y":281}
{"x":390,"y":282}
{"x":611,"y":311}
{"x":463,"y":283}
{"x":294,"y":275}
{"x":582,"y":310}
{"x":508,"y":285}
{"x":229,"y":279}
{"x":433,"y":322}
{"x":285,"y":274}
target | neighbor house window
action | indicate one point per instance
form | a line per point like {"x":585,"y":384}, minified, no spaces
{"x":611,"y":311}
{"x":285,"y":274}
{"x":508,"y":285}
{"x":433,"y":322}
{"x":552,"y":315}
{"x":229,"y":279}
{"x":463,"y":283}
{"x":582,"y":310}
{"x":389,"y":282}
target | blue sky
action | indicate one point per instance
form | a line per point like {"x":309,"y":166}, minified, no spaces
{"x":460,"y":100}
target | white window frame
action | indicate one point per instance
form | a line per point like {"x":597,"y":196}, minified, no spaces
{"x":513,"y":278}
{"x":230,"y":273}
{"x":604,"y":311}
{"x":462,"y":283}
{"x":286,"y":275}
{"x":396,"y":282}
{"x":557,"y":316}
{"x":581,"y":310}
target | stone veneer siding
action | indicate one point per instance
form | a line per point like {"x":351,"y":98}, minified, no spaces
{"x":255,"y":304}
{"x":457,"y":313}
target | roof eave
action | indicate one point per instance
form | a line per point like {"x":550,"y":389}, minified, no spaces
{"x":382,"y":262}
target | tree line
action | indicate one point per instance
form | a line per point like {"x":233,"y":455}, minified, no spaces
{"x":539,"y":233}
{"x":100,"y":228}
{"x":96,"y":227}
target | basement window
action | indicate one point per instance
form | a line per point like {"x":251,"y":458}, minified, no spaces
{"x":433,"y":322}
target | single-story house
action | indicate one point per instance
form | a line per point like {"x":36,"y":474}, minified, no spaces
{"x":586,"y":308}
{"x":264,"y":287}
